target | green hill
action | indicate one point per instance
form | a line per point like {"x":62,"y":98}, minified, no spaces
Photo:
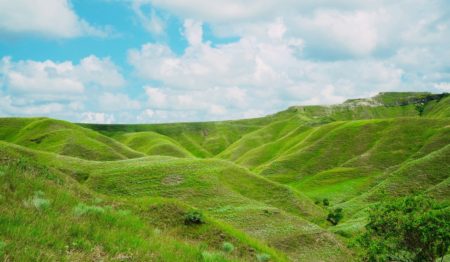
{"x":63,"y":138}
{"x":151,"y":143}
{"x":113,"y":192}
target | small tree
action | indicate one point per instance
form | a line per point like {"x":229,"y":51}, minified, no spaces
{"x":414,"y":228}
{"x":335,"y":216}
{"x":420,"y":107}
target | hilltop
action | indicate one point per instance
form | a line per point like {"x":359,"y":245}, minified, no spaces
{"x":117,"y":192}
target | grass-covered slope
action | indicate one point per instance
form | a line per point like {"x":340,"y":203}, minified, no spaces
{"x":255,"y":206}
{"x":261,"y":208}
{"x":46,"y":215}
{"x":151,"y":143}
{"x":200,"y":139}
{"x":63,"y":138}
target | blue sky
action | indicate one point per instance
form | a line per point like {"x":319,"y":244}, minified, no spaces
{"x":148,"y":61}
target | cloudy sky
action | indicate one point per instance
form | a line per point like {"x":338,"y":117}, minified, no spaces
{"x":136,"y":61}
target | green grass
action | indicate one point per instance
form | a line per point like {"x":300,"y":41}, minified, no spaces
{"x":48,"y":215}
{"x":151,"y":143}
{"x":77,"y":192}
{"x":63,"y":138}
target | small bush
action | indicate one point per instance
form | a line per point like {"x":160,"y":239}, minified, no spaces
{"x":193,"y":218}
{"x":38,"y":201}
{"x":263,"y":257}
{"x":227,"y":247}
{"x":83,"y":209}
{"x":335,"y":216}
{"x":326,"y":202}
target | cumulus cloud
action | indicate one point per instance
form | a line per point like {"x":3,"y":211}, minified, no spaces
{"x":151,"y":21}
{"x":49,"y":79}
{"x":52,"y":18}
{"x":97,"y":118}
{"x":111,"y":102}
{"x":294,"y":52}
{"x":261,"y":75}
{"x":62,"y":89}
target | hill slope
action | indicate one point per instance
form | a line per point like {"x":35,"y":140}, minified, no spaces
{"x":63,"y":138}
{"x":151,"y":143}
{"x":260,"y":208}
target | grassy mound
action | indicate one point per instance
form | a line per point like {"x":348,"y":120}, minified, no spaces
{"x":200,"y":139}
{"x":63,"y":138}
{"x":151,"y":143}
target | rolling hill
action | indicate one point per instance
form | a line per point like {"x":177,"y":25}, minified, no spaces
{"x":260,"y":183}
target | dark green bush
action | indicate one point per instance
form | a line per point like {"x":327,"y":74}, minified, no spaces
{"x":335,"y":216}
{"x":326,"y":202}
{"x":193,"y":218}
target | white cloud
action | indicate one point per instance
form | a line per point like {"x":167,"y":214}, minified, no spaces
{"x":62,"y":89}
{"x":193,"y":32}
{"x":117,"y":102}
{"x":98,"y":118}
{"x":52,"y":18}
{"x":445,"y":87}
{"x":262,"y":74}
{"x":354,"y":32}
{"x":156,"y":97}
{"x":49,"y":79}
{"x":102,"y":72}
{"x":152,"y":22}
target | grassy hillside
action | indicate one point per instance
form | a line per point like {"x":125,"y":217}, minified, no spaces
{"x":63,"y":138}
{"x":261,"y":184}
{"x":201,"y":139}
{"x":48,"y":214}
{"x":278,"y":215}
{"x":151,"y":143}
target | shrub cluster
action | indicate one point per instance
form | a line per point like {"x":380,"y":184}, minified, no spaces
{"x":335,"y":216}
{"x":193,"y":217}
{"x":415,"y":228}
{"x":227,"y":247}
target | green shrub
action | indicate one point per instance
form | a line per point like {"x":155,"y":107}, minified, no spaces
{"x":227,"y":247}
{"x":335,"y":216}
{"x":326,"y":202}
{"x":415,"y":228}
{"x":83,"y":209}
{"x":38,"y":201}
{"x":193,"y":218}
{"x":263,"y":257}
{"x":420,"y":107}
